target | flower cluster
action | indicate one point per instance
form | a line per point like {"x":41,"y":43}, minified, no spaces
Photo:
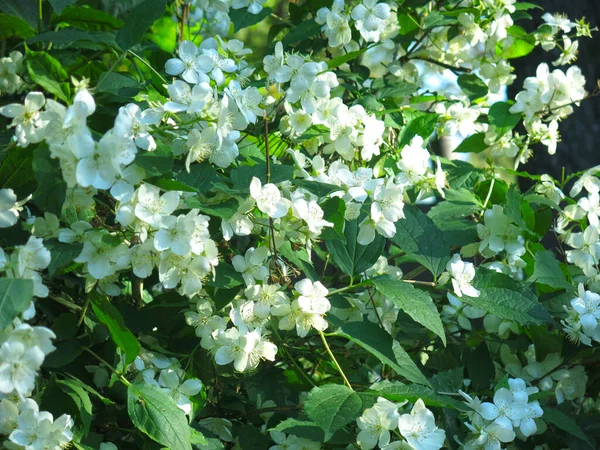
{"x":511,"y":412}
{"x":417,"y":428}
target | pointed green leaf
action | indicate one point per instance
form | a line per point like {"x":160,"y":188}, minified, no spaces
{"x":15,"y":297}
{"x":153,"y":412}
{"x":332,"y":406}
{"x":414,"y":302}
{"x":380,"y":344}
{"x":111,"y":317}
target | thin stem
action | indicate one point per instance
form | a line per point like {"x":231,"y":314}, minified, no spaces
{"x":375,"y":308}
{"x":347,"y":288}
{"x":423,"y":283}
{"x":337,"y":365}
{"x":287,"y":356}
{"x":444,"y":65}
{"x":66,"y":303}
{"x":148,"y":65}
{"x":122,"y":379}
{"x":40,"y":16}
{"x":183,"y":20}
{"x":487,"y":199}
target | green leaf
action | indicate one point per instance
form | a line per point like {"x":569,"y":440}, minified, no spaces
{"x":342,"y":59}
{"x":59,"y":5}
{"x":398,"y":392}
{"x":13,"y":26}
{"x":155,"y":163}
{"x":321,"y":190}
{"x":138,"y":21}
{"x":118,"y":84}
{"x":480,"y":366}
{"x":420,"y":238}
{"x":241,"y":18}
{"x":51,"y":188}
{"x":501,"y":118}
{"x":472,"y":86}
{"x":200,"y":177}
{"x":226,"y":277}
{"x":302,"y":428}
{"x":332,"y":406}
{"x":62,"y":254}
{"x":334,"y":211}
{"x":415,"y":302}
{"x":224,"y":210}
{"x":16,"y":171}
{"x":15,"y":297}
{"x":153,"y":412}
{"x":380,"y":344}
{"x":473,"y":144}
{"x":350,"y":256}
{"x":72,"y":37}
{"x":401,"y":89}
{"x":547,"y":271}
{"x":565,"y":423}
{"x":23,"y":9}
{"x":458,"y":204}
{"x":522,"y":44}
{"x":168,"y":184}
{"x":89,"y":18}
{"x":304,"y":30}
{"x":82,"y":401}
{"x":111,"y":317}
{"x":298,"y":257}
{"x":422,"y":125}
{"x":47,"y":72}
{"x":507,"y":298}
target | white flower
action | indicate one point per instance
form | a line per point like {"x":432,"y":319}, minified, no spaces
{"x":335,"y":24}
{"x":311,"y":213}
{"x":292,"y":316}
{"x":103,"y":258}
{"x":591,"y":205}
{"x":266,"y":298}
{"x":388,"y":202}
{"x":491,"y":438}
{"x":176,"y":233}
{"x":211,"y":61}
{"x":31,"y":258}
{"x":18,"y":367}
{"x":152,"y":206}
{"x":375,"y":424}
{"x":370,"y":18}
{"x":8,"y":416}
{"x":9,"y":207}
{"x":247,"y":100}
{"x":39,"y":430}
{"x":586,"y":249}
{"x":419,"y":428}
{"x":187,"y":64}
{"x":268,"y":199}
{"x":245,"y":350}
{"x":28,"y":121}
{"x":252,"y":265}
{"x":178,"y":391}
{"x":587,"y":306}
{"x":313,"y":296}
{"x":462,"y":274}
{"x":505,"y":409}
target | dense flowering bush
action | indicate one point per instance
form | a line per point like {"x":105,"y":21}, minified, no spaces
{"x":207,"y":247}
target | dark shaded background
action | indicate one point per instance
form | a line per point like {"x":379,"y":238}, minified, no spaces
{"x":579,"y":148}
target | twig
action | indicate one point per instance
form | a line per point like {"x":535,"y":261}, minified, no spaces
{"x":423,"y":283}
{"x":122,"y":379}
{"x":337,"y":365}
